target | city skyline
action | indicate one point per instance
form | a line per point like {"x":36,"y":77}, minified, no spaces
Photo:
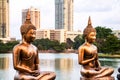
{"x":103,"y":13}
{"x":64,"y":14}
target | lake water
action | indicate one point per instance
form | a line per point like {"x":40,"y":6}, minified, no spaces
{"x":65,"y":66}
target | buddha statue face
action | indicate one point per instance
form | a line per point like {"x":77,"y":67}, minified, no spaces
{"x":28,"y":32}
{"x":30,"y":35}
{"x":91,"y":37}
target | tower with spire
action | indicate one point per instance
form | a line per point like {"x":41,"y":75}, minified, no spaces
{"x":64,"y":14}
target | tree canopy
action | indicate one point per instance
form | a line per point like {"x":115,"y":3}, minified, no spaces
{"x":106,"y":41}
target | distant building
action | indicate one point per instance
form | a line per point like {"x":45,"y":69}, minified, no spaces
{"x":35,"y":16}
{"x":5,"y":40}
{"x":64,"y":14}
{"x":4,"y":19}
{"x":72,"y":34}
{"x":117,"y":33}
{"x":51,"y":34}
{"x":59,"y":34}
{"x":42,"y":33}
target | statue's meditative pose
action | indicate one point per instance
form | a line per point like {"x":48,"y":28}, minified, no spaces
{"x":88,"y":56}
{"x":25,"y":56}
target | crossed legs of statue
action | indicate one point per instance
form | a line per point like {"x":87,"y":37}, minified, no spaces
{"x":97,"y":74}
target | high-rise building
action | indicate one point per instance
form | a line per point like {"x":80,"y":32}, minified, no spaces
{"x":64,"y":14}
{"x":4,"y":18}
{"x":34,"y":14}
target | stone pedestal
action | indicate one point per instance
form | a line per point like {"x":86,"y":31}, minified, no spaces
{"x":103,"y":78}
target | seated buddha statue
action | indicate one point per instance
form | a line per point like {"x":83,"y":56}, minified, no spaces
{"x":25,"y":56}
{"x":88,"y":56}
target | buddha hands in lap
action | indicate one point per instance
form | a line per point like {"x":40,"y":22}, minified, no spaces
{"x":25,"y":56}
{"x":88,"y":56}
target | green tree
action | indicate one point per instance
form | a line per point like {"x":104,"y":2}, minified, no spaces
{"x":111,"y":44}
{"x":69,"y":43}
{"x":106,"y":41}
{"x":103,"y":32}
{"x":5,"y":47}
{"x":78,"y":40}
{"x":46,"y":44}
{"x":42,"y":44}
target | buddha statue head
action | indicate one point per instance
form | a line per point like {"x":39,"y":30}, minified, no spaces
{"x":88,"y":29}
{"x":27,"y":25}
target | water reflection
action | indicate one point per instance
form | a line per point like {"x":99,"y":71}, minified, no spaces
{"x":47,"y":64}
{"x":106,"y":62}
{"x":6,"y":68}
{"x":114,"y":63}
{"x":65,"y":66}
{"x":109,"y":63}
{"x":62,"y":67}
{"x":4,"y":63}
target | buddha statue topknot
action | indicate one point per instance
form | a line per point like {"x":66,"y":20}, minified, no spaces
{"x":25,"y":56}
{"x":88,"y":58}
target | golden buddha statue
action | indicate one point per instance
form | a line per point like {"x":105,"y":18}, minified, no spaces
{"x":88,"y":57}
{"x":25,"y":56}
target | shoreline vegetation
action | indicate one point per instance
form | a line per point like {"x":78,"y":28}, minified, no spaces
{"x":101,"y":55}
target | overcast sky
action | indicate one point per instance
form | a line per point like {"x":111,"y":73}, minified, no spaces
{"x":104,"y":13}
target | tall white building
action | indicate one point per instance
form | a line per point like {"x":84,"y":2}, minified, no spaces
{"x":34,"y":14}
{"x":4,"y":19}
{"x":64,"y":14}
